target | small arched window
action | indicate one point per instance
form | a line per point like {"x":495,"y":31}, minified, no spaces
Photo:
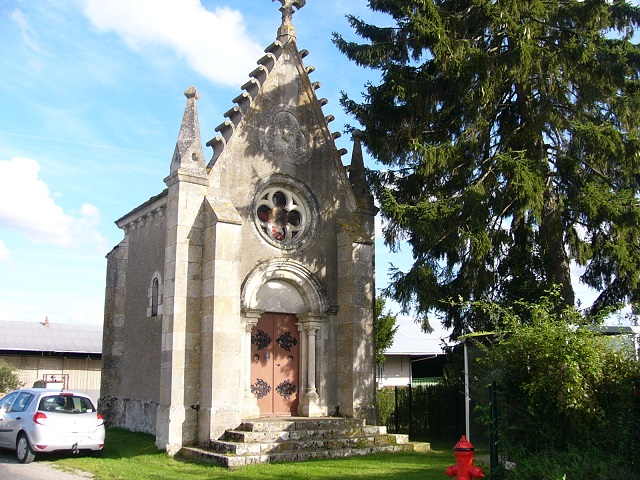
{"x":154,"y":297}
{"x":154,"y":306}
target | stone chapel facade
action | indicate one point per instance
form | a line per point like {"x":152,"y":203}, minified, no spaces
{"x":246,"y":287}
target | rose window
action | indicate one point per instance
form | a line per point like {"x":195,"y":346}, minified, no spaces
{"x":281,"y":216}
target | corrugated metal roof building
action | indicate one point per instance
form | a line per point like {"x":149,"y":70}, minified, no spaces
{"x":54,"y":353}
{"x":414,"y":358}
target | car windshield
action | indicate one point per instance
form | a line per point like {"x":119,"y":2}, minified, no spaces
{"x":66,"y":404}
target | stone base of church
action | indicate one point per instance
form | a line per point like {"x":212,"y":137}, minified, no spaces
{"x":133,"y":415}
{"x":368,"y":413}
{"x":309,"y":406}
{"x":250,"y":408}
{"x":172,"y":428}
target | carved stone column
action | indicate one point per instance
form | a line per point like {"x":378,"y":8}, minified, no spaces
{"x":250,"y":408}
{"x":310,"y":401}
{"x":311,"y":329}
{"x":303,"y":358}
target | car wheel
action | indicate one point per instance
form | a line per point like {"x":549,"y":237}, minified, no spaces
{"x":23,"y":449}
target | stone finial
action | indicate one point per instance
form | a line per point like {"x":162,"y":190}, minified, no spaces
{"x":286,"y":29}
{"x":191,"y":92}
{"x":287,"y":8}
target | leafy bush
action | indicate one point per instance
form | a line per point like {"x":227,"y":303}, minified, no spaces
{"x":8,"y":378}
{"x":385,"y":401}
{"x":575,"y":462}
{"x":566,"y":394}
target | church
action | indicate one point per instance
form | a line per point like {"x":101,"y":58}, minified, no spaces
{"x":245,"y":288}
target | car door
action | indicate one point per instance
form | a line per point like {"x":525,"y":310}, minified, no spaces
{"x":15,"y":417}
{"x":5,"y":406}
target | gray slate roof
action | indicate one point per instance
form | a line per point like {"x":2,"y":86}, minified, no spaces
{"x":411,"y":340}
{"x":57,"y":337}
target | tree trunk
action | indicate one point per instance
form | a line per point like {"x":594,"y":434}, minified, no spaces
{"x":556,"y":260}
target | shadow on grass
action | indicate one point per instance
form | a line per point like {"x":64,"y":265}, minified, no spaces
{"x":130,"y":455}
{"x":385,"y":466}
{"x":124,"y":444}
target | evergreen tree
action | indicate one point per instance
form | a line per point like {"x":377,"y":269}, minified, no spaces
{"x":508,"y":133}
{"x":385,"y":325}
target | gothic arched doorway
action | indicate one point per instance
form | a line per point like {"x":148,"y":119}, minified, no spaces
{"x":283,"y":285}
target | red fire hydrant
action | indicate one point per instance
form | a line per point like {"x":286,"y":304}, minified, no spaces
{"x":464,"y":468}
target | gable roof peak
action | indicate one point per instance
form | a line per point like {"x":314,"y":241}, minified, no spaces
{"x":243,"y":101}
{"x":266,"y":65}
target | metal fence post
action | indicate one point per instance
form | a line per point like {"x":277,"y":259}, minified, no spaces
{"x":410,"y":412}
{"x":493,"y":431}
{"x":397,"y":412}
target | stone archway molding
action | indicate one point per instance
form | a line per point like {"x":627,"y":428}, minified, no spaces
{"x":290,"y":271}
{"x":310,"y":323}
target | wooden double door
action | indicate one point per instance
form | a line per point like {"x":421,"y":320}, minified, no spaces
{"x":275,"y":360}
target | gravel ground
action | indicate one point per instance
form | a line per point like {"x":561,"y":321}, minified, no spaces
{"x":40,"y":469}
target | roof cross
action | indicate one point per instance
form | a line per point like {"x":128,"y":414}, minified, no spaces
{"x":287,"y":9}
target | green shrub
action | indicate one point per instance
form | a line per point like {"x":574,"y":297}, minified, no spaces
{"x":576,"y":462}
{"x":566,"y":396}
{"x":8,"y":378}
{"x":385,"y":400}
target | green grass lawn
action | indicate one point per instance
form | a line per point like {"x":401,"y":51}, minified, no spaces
{"x":134,"y":456}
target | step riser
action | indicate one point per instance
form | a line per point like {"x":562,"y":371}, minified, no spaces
{"x":278,"y":436}
{"x":335,"y":443}
{"x":289,"y":425}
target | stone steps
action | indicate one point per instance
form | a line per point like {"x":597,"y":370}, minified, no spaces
{"x":295,"y":440}
{"x":299,"y":435}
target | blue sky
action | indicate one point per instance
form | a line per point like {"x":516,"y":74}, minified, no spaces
{"x":91,"y":99}
{"x":91,"y":95}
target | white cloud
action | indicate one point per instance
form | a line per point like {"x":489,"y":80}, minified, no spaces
{"x":27,"y":205}
{"x":214,"y":43}
{"x":29,"y":35}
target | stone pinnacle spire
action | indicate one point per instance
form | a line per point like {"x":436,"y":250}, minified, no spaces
{"x":188,"y":156}
{"x":358,"y":174}
{"x":286,"y":30}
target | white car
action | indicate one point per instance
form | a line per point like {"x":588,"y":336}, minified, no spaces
{"x":34,"y":420}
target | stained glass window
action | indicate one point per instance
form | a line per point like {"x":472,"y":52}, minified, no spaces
{"x":281,"y":215}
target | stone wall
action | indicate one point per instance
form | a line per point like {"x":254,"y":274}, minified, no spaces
{"x":132,"y":415}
